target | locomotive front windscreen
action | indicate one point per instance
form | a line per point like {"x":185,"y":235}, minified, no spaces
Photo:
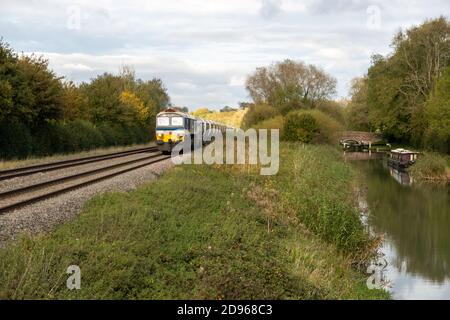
{"x":163,"y":121}
{"x":177,"y":121}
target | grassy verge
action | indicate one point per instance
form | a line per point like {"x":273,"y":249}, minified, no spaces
{"x":205,"y":232}
{"x":432,"y":167}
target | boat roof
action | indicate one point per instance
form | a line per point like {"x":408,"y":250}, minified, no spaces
{"x":403,"y":151}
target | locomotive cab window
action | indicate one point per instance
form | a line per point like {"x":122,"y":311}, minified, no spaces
{"x":163,"y":121}
{"x":177,"y":121}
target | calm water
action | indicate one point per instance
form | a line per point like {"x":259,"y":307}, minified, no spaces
{"x":415,"y":222}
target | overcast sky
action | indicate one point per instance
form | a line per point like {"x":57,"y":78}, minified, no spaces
{"x":203,"y":49}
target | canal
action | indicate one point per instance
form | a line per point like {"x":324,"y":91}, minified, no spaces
{"x":414,"y":220}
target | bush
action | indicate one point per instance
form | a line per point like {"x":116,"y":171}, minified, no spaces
{"x":120,"y":134}
{"x":47,"y":139}
{"x":73,"y":136}
{"x":323,"y":131}
{"x":328,"y":127}
{"x":429,"y":166}
{"x":300,"y":127}
{"x":272,"y":123}
{"x":332,"y":109}
{"x":138,"y":134}
{"x":53,"y":138}
{"x":84,"y":135}
{"x":62,"y":140}
{"x":258,"y":113}
{"x":109,"y":134}
{"x":15,"y":140}
{"x":130,"y":134}
{"x":290,"y":106}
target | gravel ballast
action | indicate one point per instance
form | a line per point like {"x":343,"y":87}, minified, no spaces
{"x":44,"y":215}
{"x":28,"y":180}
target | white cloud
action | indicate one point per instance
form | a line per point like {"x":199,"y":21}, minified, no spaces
{"x":203,"y":50}
{"x":76,"y":67}
{"x":237,"y":81}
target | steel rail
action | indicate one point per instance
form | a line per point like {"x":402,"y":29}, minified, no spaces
{"x":22,"y":203}
{"x":45,"y":167}
{"x":71,"y":177}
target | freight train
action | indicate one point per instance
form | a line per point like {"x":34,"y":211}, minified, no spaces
{"x":173,"y":127}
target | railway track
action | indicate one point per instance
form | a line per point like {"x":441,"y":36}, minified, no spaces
{"x":45,"y":167}
{"x":19,"y":197}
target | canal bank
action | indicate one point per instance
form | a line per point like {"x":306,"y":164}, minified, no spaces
{"x":413,"y":219}
{"x":208,"y":232}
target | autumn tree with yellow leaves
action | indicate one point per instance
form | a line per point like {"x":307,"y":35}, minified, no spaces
{"x":42,"y":113}
{"x":135,"y":107}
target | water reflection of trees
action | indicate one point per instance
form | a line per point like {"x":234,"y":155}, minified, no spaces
{"x":416,"y":218}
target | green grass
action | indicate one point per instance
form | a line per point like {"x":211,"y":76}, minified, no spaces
{"x":206,"y":232}
{"x":318,"y":186}
{"x":431,"y":166}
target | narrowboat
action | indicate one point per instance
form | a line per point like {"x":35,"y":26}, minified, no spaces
{"x":402,"y":158}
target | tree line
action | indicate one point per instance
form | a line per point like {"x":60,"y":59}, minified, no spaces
{"x":406,"y":94}
{"x":42,"y":114}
